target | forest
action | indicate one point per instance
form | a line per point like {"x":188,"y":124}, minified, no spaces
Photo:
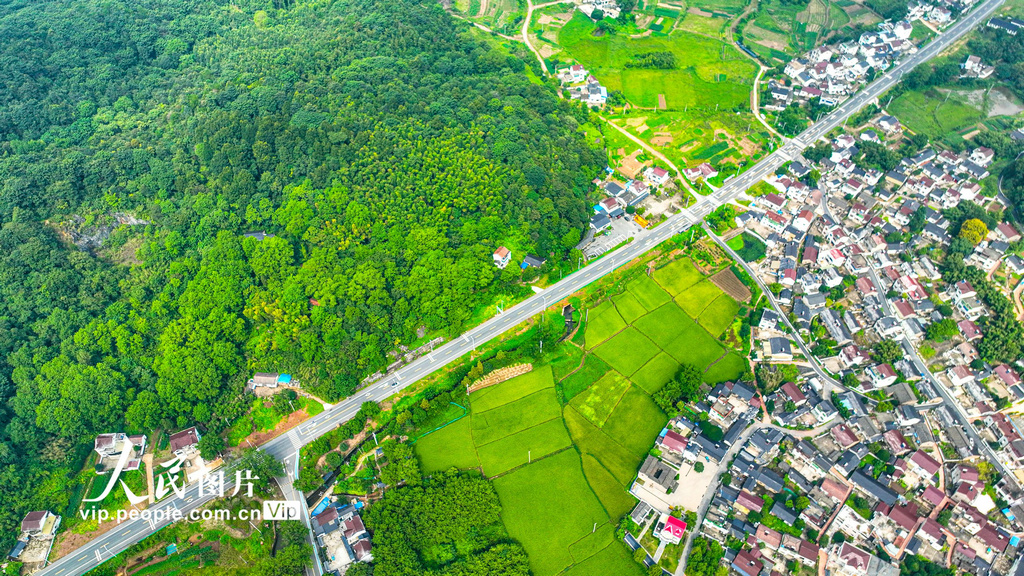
{"x":384,"y":151}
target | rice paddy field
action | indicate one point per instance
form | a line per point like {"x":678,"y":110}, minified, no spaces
{"x":563,"y":442}
{"x":708,"y":71}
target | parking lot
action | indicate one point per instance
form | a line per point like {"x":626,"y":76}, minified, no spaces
{"x":620,"y":230}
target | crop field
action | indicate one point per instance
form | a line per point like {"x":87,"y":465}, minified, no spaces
{"x":603,"y":321}
{"x":517,"y":449}
{"x":704,"y":25}
{"x":656,"y":373}
{"x":593,"y":368}
{"x":448,"y":447}
{"x":636,"y":422}
{"x":610,"y":560}
{"x":665,"y":325}
{"x":629,"y":307}
{"x":931,"y":113}
{"x":730,"y":7}
{"x":512,"y":390}
{"x":718,"y":315}
{"x":499,"y":15}
{"x":780,"y":31}
{"x":597,"y":402}
{"x":708,"y":72}
{"x":647,"y":292}
{"x":547,"y":506}
{"x":693,"y":135}
{"x":696,"y":298}
{"x":677,"y":276}
{"x":563,"y":443}
{"x":728,"y":368}
{"x":627,"y":351}
{"x":513,"y":417}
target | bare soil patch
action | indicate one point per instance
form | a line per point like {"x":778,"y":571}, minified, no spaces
{"x":731,"y":285}
{"x":661,"y":138}
{"x":662,"y":104}
{"x":700,"y":12}
{"x":293,"y":420}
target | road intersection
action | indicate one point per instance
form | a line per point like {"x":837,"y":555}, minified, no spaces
{"x":285,"y":447}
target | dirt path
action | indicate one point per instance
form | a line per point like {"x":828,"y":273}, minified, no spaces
{"x":530,"y":6}
{"x":1018,"y":303}
{"x":655,"y":153}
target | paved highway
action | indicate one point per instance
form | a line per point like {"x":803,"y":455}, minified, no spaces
{"x":285,"y":447}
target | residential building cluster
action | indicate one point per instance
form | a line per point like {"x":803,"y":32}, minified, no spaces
{"x":341,"y":535}
{"x":621,"y":196}
{"x":582,"y":86}
{"x":831,"y":73}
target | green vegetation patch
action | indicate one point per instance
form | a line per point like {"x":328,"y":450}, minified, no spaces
{"x":597,"y":402}
{"x":514,"y":417}
{"x":635,"y":422}
{"x":546,"y":506}
{"x":731,"y":367}
{"x":593,"y":369}
{"x":697,"y":297}
{"x":450,"y":446}
{"x":677,"y":276}
{"x":718,"y":315}
{"x":656,"y":373}
{"x":566,"y":358}
{"x":515,"y":450}
{"x":647,"y":292}
{"x":603,"y":322}
{"x":931,"y":113}
{"x":748,"y":247}
{"x":614,"y":559}
{"x":694,"y":345}
{"x":629,"y":307}
{"x":592,"y":543}
{"x":708,"y":72}
{"x":665,"y":325}
{"x":614,"y":496}
{"x":512,"y":390}
{"x":589,"y":439}
{"x":627,"y":351}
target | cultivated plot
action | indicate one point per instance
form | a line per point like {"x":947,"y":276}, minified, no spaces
{"x":731,"y":367}
{"x":448,"y":447}
{"x":603,"y":321}
{"x":697,"y":297}
{"x":512,"y":390}
{"x":627,"y":351}
{"x":597,"y":402}
{"x":635,"y":422}
{"x":522,"y":447}
{"x":719,"y":314}
{"x":656,"y":373}
{"x":629,"y":307}
{"x":678,"y":276}
{"x":514,"y":417}
{"x":547,"y":506}
{"x":647,"y":292}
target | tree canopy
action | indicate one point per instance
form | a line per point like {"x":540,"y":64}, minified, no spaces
{"x":258,"y":186}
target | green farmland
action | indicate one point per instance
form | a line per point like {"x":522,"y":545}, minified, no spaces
{"x":931,"y":113}
{"x":708,"y":72}
{"x":563,"y":450}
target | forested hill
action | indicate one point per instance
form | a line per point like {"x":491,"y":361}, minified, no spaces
{"x":387,"y":151}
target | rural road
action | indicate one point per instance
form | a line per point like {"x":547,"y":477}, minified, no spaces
{"x":286,"y":446}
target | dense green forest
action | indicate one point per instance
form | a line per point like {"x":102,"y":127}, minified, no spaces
{"x":387,"y":151}
{"x":450,"y":526}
